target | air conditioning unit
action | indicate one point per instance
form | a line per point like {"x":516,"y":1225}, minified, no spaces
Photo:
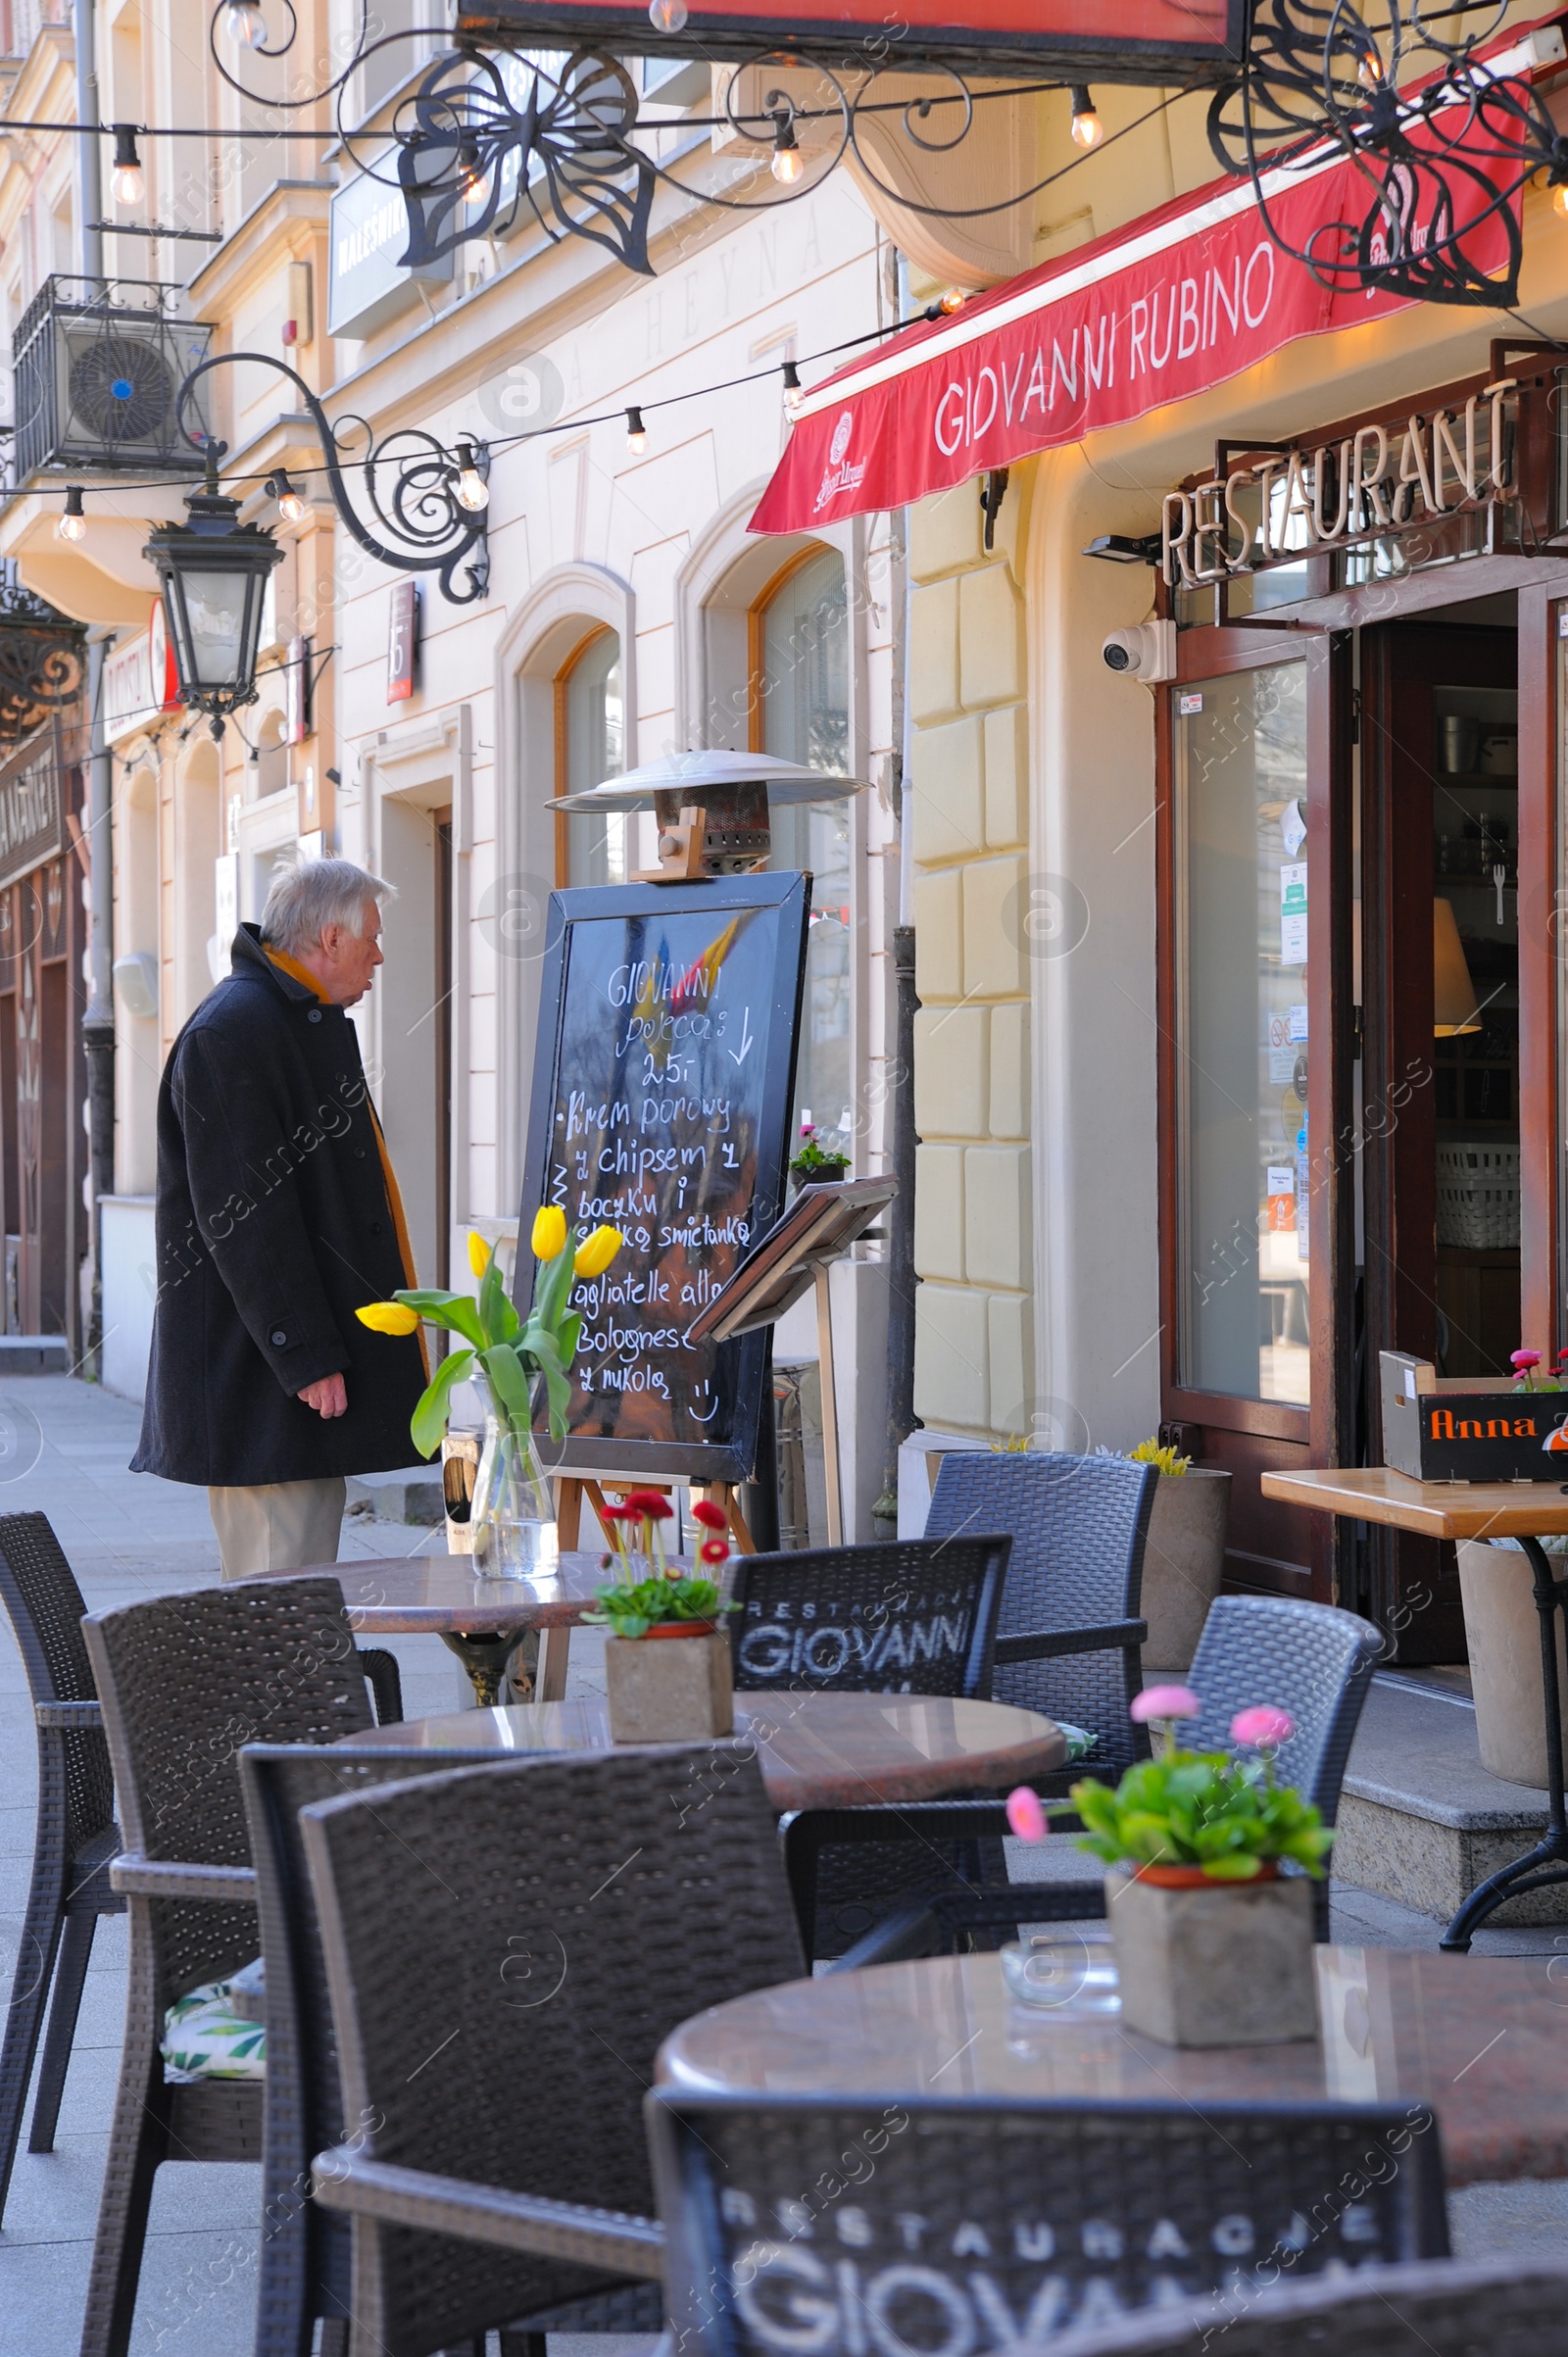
{"x":98,"y":367}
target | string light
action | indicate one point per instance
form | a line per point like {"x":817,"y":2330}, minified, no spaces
{"x":668,"y":15}
{"x":952,"y":299}
{"x":72,"y":524}
{"x":793,"y":393}
{"x":291,"y":500}
{"x":636,"y":433}
{"x":1087,"y":129}
{"x":788,"y":163}
{"x":127,"y":180}
{"x":1369,"y":69}
{"x":470,"y":488}
{"x":472,"y":177}
{"x":245,"y":24}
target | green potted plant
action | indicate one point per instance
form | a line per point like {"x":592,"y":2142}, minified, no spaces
{"x":1214,"y":1942}
{"x":815,"y":1161}
{"x":510,"y":1360}
{"x":667,"y":1670}
{"x":1184,"y":1555}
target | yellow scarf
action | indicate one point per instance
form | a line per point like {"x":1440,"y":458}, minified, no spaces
{"x":302,"y":973}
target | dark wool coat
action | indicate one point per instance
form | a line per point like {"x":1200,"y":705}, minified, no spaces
{"x":273,"y":1227}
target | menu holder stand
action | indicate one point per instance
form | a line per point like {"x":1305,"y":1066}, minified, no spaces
{"x":794,"y":1256}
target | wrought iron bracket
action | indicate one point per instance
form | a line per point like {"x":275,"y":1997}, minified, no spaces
{"x":43,"y":666}
{"x":427,"y":530}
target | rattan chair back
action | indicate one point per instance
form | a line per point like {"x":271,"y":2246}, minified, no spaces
{"x":1310,"y":1659}
{"x":45,"y":1606}
{"x":914,"y":1618}
{"x":980,"y":2223}
{"x":507,"y":1949}
{"x":1078,"y":1525}
{"x":1510,"y":2307}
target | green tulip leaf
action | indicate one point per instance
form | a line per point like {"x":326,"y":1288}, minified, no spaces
{"x":429,"y":1419}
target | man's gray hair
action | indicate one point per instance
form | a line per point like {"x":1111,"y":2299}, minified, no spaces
{"x":314,"y":893}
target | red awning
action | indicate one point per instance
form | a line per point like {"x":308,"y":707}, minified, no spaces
{"x":1192,"y":294}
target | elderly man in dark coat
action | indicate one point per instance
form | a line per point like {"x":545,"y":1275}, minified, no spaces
{"x":277,"y":1217}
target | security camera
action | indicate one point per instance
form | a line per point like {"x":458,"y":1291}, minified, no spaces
{"x":1146,"y":653}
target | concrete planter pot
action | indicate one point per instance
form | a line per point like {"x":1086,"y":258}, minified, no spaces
{"x":671,"y":1686}
{"x":1214,"y":1964}
{"x":1183,"y":1563}
{"x":1504,"y":1633}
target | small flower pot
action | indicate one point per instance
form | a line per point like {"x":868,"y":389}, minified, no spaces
{"x":1203,"y":1963}
{"x":676,"y":1692}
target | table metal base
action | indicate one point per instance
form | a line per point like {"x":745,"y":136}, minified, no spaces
{"x":485,"y":1659}
{"x":1547,"y":1862}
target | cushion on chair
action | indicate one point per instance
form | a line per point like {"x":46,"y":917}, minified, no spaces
{"x":205,"y":2038}
{"x":1081,"y":1742}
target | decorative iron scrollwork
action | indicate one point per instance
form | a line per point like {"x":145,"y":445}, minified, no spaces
{"x":1441,"y":143}
{"x":471,"y":156}
{"x":43,"y":667}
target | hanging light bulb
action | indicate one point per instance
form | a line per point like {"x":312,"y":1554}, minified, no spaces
{"x":72,"y":524}
{"x":1370,"y":69}
{"x":244,"y":23}
{"x":668,"y":15}
{"x":472,"y":177}
{"x":793,"y":393}
{"x":127,"y":180}
{"x":469,"y":486}
{"x":636,"y":433}
{"x":952,"y":299}
{"x":787,"y":163}
{"x":1087,"y":129}
{"x":291,"y":500}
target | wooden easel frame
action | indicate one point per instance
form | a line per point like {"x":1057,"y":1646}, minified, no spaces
{"x":572,"y":1492}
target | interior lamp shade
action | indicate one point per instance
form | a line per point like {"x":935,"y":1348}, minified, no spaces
{"x":1453,"y":997}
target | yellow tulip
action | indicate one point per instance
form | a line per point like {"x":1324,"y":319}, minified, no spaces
{"x":549,"y":1231}
{"x":478,"y":1254}
{"x":388,"y":1317}
{"x":597,"y":1251}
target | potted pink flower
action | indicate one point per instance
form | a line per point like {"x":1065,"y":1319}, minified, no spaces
{"x":665,"y":1692}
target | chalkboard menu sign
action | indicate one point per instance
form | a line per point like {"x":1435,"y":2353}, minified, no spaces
{"x":664,"y":1078}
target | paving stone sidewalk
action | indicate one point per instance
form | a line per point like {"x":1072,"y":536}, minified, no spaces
{"x":65,"y":1449}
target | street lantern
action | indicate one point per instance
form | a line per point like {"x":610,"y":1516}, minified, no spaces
{"x":213,"y":571}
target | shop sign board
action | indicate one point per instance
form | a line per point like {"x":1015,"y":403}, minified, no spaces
{"x":1193,"y":294}
{"x":367,"y":234}
{"x":33,"y":816}
{"x":140,"y":680}
{"x":1122,"y":40}
{"x":1382,"y":483}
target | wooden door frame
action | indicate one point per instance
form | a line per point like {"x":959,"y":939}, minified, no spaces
{"x":1540,"y":1081}
{"x":1323,"y":1428}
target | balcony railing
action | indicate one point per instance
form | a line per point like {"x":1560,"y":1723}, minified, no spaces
{"x":98,"y":367}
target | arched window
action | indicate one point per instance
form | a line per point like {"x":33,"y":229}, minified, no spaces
{"x":590,"y":746}
{"x":799,"y":644}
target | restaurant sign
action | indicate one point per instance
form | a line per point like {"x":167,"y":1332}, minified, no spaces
{"x":1381,"y":482}
{"x":32,"y":818}
{"x":1120,"y":40}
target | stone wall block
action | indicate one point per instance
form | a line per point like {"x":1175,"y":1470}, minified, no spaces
{"x":945,"y":532}
{"x":1010,"y":1070}
{"x":994,"y":907}
{"x":939,"y":1212}
{"x":1011,"y":1358}
{"x":934,"y":652}
{"x":951,"y":1064}
{"x":939,"y":933}
{"x":947,"y":791}
{"x":991,"y":618}
{"x":999,"y":1216}
{"x":1006,"y":775}
{"x":951,"y":1357}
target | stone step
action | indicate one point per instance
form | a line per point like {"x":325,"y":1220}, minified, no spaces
{"x":413,"y":1494}
{"x":1421,"y":1821}
{"x":34,"y":1355}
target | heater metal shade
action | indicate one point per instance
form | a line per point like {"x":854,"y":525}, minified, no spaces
{"x":213,"y":571}
{"x":698,"y":777}
{"x":1453,"y":997}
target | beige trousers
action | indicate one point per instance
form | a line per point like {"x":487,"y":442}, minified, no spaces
{"x":278,"y":1526}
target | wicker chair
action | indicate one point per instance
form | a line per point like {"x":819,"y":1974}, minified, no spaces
{"x":913,"y":1618}
{"x":185,"y":1680}
{"x":75,"y":1838}
{"x":1309,"y":1659}
{"x":1068,"y":1637}
{"x":1437,"y":2309}
{"x":556,"y":1919}
{"x":982,"y":2223}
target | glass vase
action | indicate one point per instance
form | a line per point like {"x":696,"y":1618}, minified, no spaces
{"x":511,"y":1518}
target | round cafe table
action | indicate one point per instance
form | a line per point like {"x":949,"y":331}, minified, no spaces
{"x":815,"y":1750}
{"x":1482,"y":2040}
{"x":482,"y":1621}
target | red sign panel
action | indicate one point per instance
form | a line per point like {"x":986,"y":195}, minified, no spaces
{"x":1194,"y":294}
{"x":1126,"y":40}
